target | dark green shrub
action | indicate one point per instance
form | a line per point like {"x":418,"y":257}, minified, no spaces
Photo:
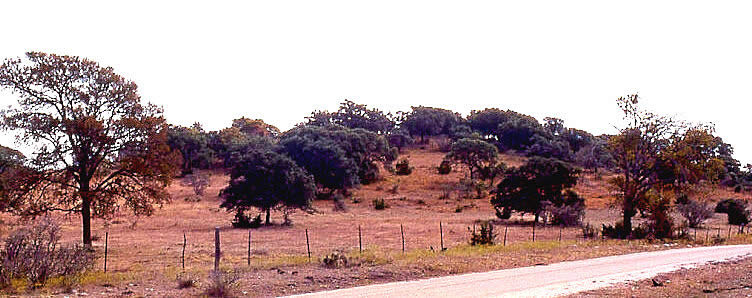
{"x":484,"y":236}
{"x":445,"y":167}
{"x":380,"y":204}
{"x":588,"y":231}
{"x":403,"y":168}
{"x":243,"y":221}
{"x":738,"y":215}
{"x":723,"y":206}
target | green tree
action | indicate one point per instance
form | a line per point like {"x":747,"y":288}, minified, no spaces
{"x":193,"y":145}
{"x":267,"y":180}
{"x":426,"y":121}
{"x":95,"y":146}
{"x":255,"y":127}
{"x":539,"y":180}
{"x":474,"y":153}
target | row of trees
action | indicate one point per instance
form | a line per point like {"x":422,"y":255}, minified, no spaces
{"x":96,"y":148}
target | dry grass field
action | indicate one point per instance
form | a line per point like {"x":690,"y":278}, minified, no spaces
{"x":144,"y":254}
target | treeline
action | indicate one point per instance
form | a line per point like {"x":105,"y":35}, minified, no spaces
{"x":96,"y":148}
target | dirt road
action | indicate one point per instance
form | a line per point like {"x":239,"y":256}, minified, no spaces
{"x":550,"y":280}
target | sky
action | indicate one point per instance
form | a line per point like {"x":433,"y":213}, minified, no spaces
{"x":214,"y":61}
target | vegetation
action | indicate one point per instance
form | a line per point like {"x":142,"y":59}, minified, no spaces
{"x":475,"y":154}
{"x":403,"y":167}
{"x":267,"y":180}
{"x":35,"y":254}
{"x":694,"y":212}
{"x":539,"y":180}
{"x":484,"y":236}
{"x":96,"y":147}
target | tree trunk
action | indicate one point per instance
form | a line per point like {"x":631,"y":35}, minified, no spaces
{"x":86,"y":218}
{"x":268,"y":216}
{"x":627,"y":219}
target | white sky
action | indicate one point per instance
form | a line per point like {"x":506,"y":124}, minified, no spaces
{"x":213,"y":61}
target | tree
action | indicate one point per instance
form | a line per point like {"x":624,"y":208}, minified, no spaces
{"x":427,"y":121}
{"x":324,"y":159}
{"x":639,"y":151}
{"x":96,"y":147}
{"x":361,"y":147}
{"x":255,"y":127}
{"x":537,"y":181}
{"x":509,"y":129}
{"x":11,"y":163}
{"x":193,"y":145}
{"x":267,"y":180}
{"x":595,"y":155}
{"x":474,"y":153}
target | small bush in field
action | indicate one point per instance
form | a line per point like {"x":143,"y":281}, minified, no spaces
{"x":221,"y":284}
{"x":185,"y":281}
{"x":339,"y":203}
{"x":200,"y":182}
{"x":403,"y":168}
{"x":35,"y":254}
{"x":445,"y":167}
{"x":243,"y":221}
{"x":694,"y":212}
{"x":484,"y":236}
{"x":336,"y":259}
{"x":380,"y":204}
{"x":588,"y":231}
{"x":723,"y":206}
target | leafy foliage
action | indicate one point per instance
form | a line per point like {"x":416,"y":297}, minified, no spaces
{"x":736,"y":210}
{"x":484,"y":236}
{"x":403,"y":167}
{"x":353,"y":115}
{"x":426,"y":121}
{"x":474,"y":153}
{"x":538,"y":180}
{"x":96,"y":147}
{"x":267,"y":180}
{"x":193,"y":145}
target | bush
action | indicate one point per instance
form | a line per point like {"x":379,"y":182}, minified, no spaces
{"x":484,"y":236}
{"x":221,"y":284}
{"x":200,"y":182}
{"x":35,"y":254}
{"x":738,"y":215}
{"x":723,"y":206}
{"x":380,"y":204}
{"x":588,"y":231}
{"x":339,"y":203}
{"x":736,"y":210}
{"x":568,"y":216}
{"x":660,"y":224}
{"x":403,"y":168}
{"x":242,"y":221}
{"x":185,"y":281}
{"x":616,"y":231}
{"x":443,"y":145}
{"x":336,"y":259}
{"x":445,"y":167}
{"x":694,"y":212}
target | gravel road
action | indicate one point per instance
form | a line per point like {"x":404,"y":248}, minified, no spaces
{"x":550,"y":280}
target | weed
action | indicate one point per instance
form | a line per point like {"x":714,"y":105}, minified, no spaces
{"x":380,"y":204}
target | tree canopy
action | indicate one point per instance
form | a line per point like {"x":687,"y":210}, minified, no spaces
{"x":267,"y":180}
{"x":96,"y":147}
{"x":353,"y":115}
{"x":193,"y":145}
{"x":474,"y":153}
{"x":539,"y":180}
{"x":426,"y":121}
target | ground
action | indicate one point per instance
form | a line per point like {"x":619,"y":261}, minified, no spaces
{"x":145,"y":254}
{"x":731,"y":279}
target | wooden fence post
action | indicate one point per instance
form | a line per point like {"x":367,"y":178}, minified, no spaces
{"x":441,"y":232}
{"x":360,"y":239}
{"x":533,"y":231}
{"x":249,"y":247}
{"x":561,"y":228}
{"x":402,"y":231}
{"x":505,"y":234}
{"x":308,"y":245}
{"x":217,"y":250}
{"x":182,"y":258}
{"x":106,"y":238}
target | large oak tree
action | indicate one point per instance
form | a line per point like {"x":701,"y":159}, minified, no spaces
{"x":96,"y":147}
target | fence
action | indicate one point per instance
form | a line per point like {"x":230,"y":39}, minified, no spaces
{"x":194,"y":249}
